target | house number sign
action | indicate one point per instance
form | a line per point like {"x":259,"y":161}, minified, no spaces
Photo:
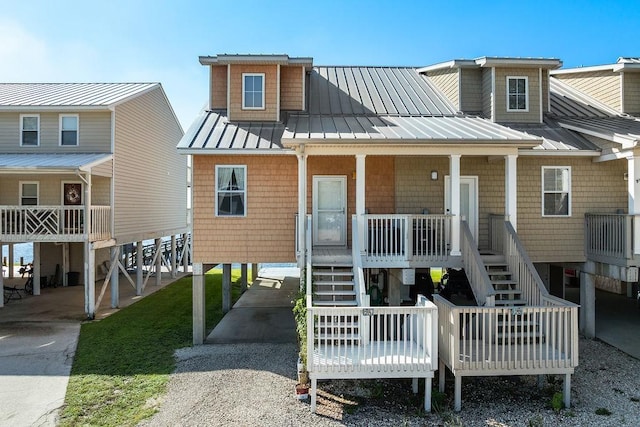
{"x":367,"y":311}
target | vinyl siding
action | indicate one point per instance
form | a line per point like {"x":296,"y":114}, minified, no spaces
{"x":502,"y":115}
{"x":545,"y":91}
{"x":50,"y":189}
{"x":447,"y":82}
{"x":150,"y":176}
{"x":95,"y":133}
{"x":471,"y":90}
{"x":601,"y":85}
{"x":291,"y":88}
{"x":632,"y":93}
{"x":270,"y":99}
{"x":103,"y":169}
{"x":487,"y":93}
{"x":219,"y":87}
{"x":267,"y":233}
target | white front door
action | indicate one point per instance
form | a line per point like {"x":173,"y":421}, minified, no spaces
{"x":330,"y":210}
{"x":468,"y":201}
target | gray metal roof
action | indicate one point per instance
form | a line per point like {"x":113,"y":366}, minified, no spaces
{"x":374,"y":90}
{"x":610,"y":128}
{"x":68,"y":94}
{"x":623,"y":60}
{"x":569,"y":102}
{"x":66,"y":161}
{"x":556,"y":138}
{"x":213,"y":131}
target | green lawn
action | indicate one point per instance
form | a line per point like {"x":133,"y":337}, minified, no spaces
{"x":122,"y":363}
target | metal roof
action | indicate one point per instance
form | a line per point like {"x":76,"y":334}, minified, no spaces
{"x":623,"y":60}
{"x":213,"y":131}
{"x":556,"y":138}
{"x":14,"y":95}
{"x":274,"y":59}
{"x":374,"y":90}
{"x":569,"y":102}
{"x":454,"y":129}
{"x":59,"y":161}
{"x":617,"y":129}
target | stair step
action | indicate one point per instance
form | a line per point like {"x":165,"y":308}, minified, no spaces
{"x":508,"y":292}
{"x":498,"y":273}
{"x":344,"y":303}
{"x":503,"y":282}
{"x":333,"y":273}
{"x":335,"y":293}
{"x":333,"y":283}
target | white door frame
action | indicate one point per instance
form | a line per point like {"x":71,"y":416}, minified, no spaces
{"x":473,"y":200}
{"x":342,"y":221}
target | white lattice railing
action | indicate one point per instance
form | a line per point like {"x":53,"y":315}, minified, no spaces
{"x":406,"y":237}
{"x":52,"y":223}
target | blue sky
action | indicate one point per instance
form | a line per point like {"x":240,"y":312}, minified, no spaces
{"x":156,"y":40}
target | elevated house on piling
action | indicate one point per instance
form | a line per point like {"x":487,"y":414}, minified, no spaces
{"x":85,"y":170}
{"x":367,"y":177}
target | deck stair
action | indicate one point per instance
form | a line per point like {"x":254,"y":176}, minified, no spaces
{"x":333,"y":286}
{"x":518,"y":326}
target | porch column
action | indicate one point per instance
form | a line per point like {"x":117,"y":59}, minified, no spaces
{"x":587,"y":305}
{"x":198,"y":304}
{"x":255,"y":268}
{"x":302,"y":207}
{"x":11,"y":261}
{"x":89,"y":280}
{"x":454,"y":170}
{"x":115,"y":276}
{"x":511,"y":189}
{"x":139,"y":267}
{"x":360,"y":197}
{"x":159,"y":262}
{"x":633,"y":189}
{"x":36,"y":268}
{"x":226,"y":288}
{"x":174,"y":264}
{"x":243,"y":277}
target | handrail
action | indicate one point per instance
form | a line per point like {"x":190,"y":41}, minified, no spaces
{"x":362,"y":298}
{"x":522,"y":268}
{"x":308,"y":261}
{"x":474,"y":268}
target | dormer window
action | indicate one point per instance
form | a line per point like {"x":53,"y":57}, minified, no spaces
{"x":253,"y":91}
{"x":517,"y":94}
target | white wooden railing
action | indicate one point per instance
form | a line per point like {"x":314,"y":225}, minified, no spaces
{"x":53,"y":223}
{"x":474,"y":268}
{"x":308,"y":262}
{"x":609,"y":237}
{"x":362,"y":298}
{"x":406,"y":237}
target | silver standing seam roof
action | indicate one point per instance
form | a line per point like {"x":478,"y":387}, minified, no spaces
{"x":47,"y":162}
{"x":25,"y":95}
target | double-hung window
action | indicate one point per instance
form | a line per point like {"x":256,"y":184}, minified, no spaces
{"x":517,"y":94}
{"x":231,"y":190}
{"x":29,"y":130}
{"x":253,"y":91}
{"x":28,"y":193}
{"x":69,"y":129}
{"x":556,"y":191}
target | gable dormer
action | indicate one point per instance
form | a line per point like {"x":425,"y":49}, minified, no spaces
{"x":505,"y":90}
{"x":256,"y":87}
{"x":615,"y":85}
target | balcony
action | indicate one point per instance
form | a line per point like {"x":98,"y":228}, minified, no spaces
{"x":53,"y":224}
{"x":609,"y":239}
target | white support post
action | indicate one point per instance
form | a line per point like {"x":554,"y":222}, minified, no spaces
{"x":511,"y":189}
{"x":314,"y":389}
{"x":198,"y":304}
{"x":587,"y":305}
{"x":457,"y":399}
{"x":226,"y":288}
{"x":115,"y":277}
{"x":454,"y":160}
{"x":414,"y":385}
{"x":243,"y":277}
{"x":89,"y":280}
{"x":567,"y":391}
{"x":360,"y":196}
{"x":633,"y":189}
{"x":139,"y":267}
{"x":65,"y":264}
{"x":36,"y":268}
{"x":174,"y":264}
{"x":186,"y":252}
{"x":441,"y":376}
{"x":302,"y":208}
{"x":11,"y":261}
{"x":159,"y":262}
{"x":427,"y":394}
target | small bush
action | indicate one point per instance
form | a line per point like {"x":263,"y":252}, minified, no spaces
{"x":557,"y":401}
{"x":603,"y":411}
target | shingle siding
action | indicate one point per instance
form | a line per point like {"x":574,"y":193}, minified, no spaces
{"x":218,"y":87}
{"x":291,"y":88}
{"x":487,"y":93}
{"x":632,"y":93}
{"x":270,"y":112}
{"x":601,"y":85}
{"x":447,"y":82}
{"x":471,"y":81}
{"x":502,"y":115}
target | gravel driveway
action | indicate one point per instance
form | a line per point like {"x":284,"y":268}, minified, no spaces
{"x":253,"y":385}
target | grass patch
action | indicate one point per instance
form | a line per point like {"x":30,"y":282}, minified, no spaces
{"x":122,"y":363}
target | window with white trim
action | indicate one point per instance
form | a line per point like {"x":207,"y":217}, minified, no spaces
{"x":231,"y":190}
{"x":253,"y":91}
{"x":29,"y":130}
{"x":69,"y":129}
{"x":29,"y":193}
{"x":556,"y":191}
{"x":517,"y":94}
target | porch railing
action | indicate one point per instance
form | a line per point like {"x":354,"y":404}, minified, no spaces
{"x":52,"y":223}
{"x":609,"y":237}
{"x":474,"y":268}
{"x":358,"y":272}
{"x":406,"y":237}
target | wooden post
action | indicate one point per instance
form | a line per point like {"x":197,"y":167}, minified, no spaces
{"x":254,"y":271}
{"x":89,"y":280}
{"x":198,"y":304}
{"x":360,"y":197}
{"x":174,"y":264}
{"x":587,"y":305}
{"x":226,"y":288}
{"x":36,"y":268}
{"x":115,"y":277}
{"x":427,"y":394}
{"x":159,"y":262}
{"x":511,"y":189}
{"x":454,"y":198}
{"x":11,"y":261}
{"x":65,"y":264}
{"x":457,"y":405}
{"x":243,"y":277}
{"x":139,"y":267}
{"x":187,"y":252}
